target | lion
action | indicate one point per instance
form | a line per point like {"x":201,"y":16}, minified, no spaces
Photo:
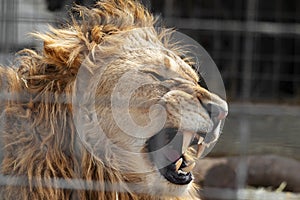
{"x":109,"y":108}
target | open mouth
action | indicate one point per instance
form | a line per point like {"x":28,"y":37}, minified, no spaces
{"x":168,"y":151}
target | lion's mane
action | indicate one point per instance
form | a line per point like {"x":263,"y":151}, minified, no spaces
{"x":43,"y":157}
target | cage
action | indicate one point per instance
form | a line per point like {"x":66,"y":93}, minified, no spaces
{"x":256,"y":46}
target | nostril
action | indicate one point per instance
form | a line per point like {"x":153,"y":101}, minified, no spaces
{"x":216,"y":111}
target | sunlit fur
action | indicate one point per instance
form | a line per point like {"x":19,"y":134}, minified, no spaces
{"x":40,"y":142}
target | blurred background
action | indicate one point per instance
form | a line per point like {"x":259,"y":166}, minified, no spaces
{"x":256,"y":46}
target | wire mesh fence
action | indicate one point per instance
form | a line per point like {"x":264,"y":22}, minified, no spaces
{"x":255,"y":44}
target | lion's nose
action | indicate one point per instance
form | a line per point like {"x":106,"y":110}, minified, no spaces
{"x":216,"y":111}
{"x":216,"y":107}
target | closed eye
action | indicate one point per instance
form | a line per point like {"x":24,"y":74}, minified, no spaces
{"x":202,"y":83}
{"x":154,"y":74}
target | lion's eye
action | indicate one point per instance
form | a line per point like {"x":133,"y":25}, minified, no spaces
{"x":202,"y":83}
{"x":154,"y":74}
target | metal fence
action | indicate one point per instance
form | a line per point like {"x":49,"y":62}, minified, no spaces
{"x":255,"y":44}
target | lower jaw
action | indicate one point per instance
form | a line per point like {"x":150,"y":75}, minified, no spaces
{"x":176,"y":177}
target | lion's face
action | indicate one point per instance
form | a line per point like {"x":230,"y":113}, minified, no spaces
{"x":156,"y":116}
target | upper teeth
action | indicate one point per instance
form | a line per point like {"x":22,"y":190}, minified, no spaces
{"x":200,"y":150}
{"x":178,"y":164}
{"x":186,"y":169}
{"x":201,"y":147}
{"x":187,"y":139}
{"x":200,"y":139}
{"x":189,"y":168}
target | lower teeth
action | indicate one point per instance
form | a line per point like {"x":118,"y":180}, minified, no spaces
{"x":181,"y":172}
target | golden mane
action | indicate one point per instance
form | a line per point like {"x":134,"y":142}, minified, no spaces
{"x":41,"y":148}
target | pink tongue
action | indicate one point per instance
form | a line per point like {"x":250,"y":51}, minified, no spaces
{"x":171,"y":154}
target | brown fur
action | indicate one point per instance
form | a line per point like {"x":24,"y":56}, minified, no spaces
{"x":41,"y":146}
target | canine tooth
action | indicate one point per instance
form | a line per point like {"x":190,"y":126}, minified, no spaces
{"x":187,"y":139}
{"x":178,"y":164}
{"x":200,"y":139}
{"x":189,"y":168}
{"x":200,"y":150}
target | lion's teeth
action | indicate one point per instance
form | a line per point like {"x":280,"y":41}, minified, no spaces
{"x":189,"y":168}
{"x":181,"y":172}
{"x":187,"y":139}
{"x":200,"y":140}
{"x":200,"y":150}
{"x":178,"y":164}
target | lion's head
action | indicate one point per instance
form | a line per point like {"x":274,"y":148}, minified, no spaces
{"x":111,"y":106}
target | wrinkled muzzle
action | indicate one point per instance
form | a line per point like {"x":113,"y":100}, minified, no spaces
{"x":193,"y":127}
